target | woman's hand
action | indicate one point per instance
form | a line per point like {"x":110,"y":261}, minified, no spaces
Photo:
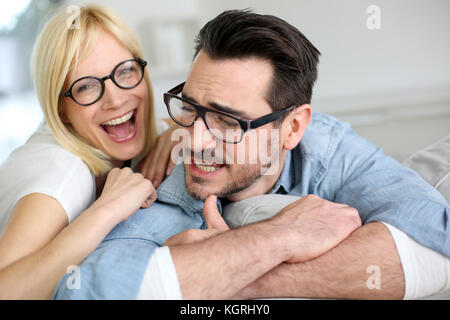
{"x":33,"y":259}
{"x":124,"y":192}
{"x":157,"y":164}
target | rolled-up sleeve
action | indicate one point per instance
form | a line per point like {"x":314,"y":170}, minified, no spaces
{"x":131,"y":262}
{"x":383,"y":190}
{"x":114,"y":271}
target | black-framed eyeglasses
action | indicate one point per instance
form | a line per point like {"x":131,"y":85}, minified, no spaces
{"x":88,"y":90}
{"x":225,"y":127}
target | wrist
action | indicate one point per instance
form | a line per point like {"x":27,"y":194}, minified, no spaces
{"x":102,"y":217}
{"x":275,"y":240}
{"x":81,"y":237}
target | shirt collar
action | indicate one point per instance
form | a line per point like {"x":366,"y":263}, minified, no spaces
{"x":285,"y":182}
{"x":173,"y":189}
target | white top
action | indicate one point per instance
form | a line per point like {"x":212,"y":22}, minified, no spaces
{"x":41,"y":165}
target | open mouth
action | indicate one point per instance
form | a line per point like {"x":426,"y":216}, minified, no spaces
{"x":122,"y":128}
{"x":202,"y":168}
{"x":209,"y":168}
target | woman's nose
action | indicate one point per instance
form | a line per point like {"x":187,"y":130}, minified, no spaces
{"x":113,"y":97}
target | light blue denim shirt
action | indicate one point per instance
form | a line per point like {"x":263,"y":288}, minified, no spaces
{"x":331,"y":161}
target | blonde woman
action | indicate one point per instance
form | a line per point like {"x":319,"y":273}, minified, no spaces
{"x":56,"y":207}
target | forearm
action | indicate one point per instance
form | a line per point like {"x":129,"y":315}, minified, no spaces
{"x":36,"y":275}
{"x":341,"y":272}
{"x":219,"y":267}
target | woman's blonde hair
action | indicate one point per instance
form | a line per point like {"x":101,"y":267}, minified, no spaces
{"x":63,"y":42}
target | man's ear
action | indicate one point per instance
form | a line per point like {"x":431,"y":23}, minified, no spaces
{"x":296,"y":124}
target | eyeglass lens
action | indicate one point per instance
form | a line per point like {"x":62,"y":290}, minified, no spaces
{"x":221,"y":126}
{"x":89,"y":89}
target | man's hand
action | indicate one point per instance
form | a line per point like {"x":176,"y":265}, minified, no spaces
{"x":314,"y":226}
{"x":214,"y":221}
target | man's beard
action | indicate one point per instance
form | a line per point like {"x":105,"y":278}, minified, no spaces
{"x":248,"y":175}
{"x":242,"y":178}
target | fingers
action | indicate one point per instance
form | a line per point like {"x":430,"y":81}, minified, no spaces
{"x":114,"y":175}
{"x":312,"y":199}
{"x":126,"y":178}
{"x":158,"y":163}
{"x":170,"y":167}
{"x":212,"y":216}
{"x":148,"y":165}
{"x":339,"y":205}
{"x":160,"y":168}
{"x":145,"y":167}
{"x":171,"y":241}
{"x":186,"y":237}
{"x":353,"y":216}
{"x":152,"y":198}
{"x":151,"y":191}
{"x":214,"y":221}
{"x":191,"y":236}
{"x":164,"y":162}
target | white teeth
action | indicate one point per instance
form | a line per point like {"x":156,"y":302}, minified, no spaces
{"x":207,"y":168}
{"x":120,"y":120}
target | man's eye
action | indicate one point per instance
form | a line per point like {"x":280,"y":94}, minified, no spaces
{"x":227,"y":121}
{"x":187,"y":109}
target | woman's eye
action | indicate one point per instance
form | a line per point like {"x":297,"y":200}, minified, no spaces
{"x":82,"y":88}
{"x":127,"y":70}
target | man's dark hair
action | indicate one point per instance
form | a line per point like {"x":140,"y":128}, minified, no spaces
{"x":240,"y":34}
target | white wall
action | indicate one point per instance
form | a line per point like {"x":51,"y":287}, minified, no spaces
{"x":141,"y":16}
{"x":411,"y":50}
{"x":392,"y":84}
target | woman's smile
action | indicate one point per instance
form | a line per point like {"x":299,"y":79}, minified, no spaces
{"x":122,"y":128}
{"x":116,"y":122}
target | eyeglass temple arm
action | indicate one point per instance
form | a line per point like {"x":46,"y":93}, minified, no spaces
{"x":177,"y":89}
{"x":142,"y":62}
{"x":268,"y":118}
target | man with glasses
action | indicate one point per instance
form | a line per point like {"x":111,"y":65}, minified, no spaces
{"x":253,"y":75}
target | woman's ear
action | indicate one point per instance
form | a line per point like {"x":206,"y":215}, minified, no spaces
{"x":296,"y":123}
{"x":62,"y":114}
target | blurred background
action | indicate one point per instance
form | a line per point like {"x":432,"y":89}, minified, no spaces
{"x":385,"y":65}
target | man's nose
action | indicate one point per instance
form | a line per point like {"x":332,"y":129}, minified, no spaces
{"x":201,"y":137}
